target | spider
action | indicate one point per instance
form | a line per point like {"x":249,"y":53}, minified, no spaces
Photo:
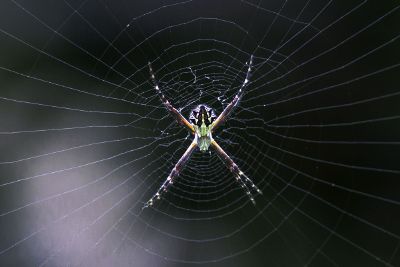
{"x":202,"y":123}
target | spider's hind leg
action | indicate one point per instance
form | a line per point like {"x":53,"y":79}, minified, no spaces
{"x":173,"y":174}
{"x":245,"y":182}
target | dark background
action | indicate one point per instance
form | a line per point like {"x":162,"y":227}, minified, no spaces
{"x":85,"y":141}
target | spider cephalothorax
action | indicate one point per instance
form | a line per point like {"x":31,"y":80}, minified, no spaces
{"x":202,"y":118}
{"x":202,"y":124}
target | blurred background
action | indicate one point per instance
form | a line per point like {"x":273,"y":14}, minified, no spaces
{"x":85,"y":141}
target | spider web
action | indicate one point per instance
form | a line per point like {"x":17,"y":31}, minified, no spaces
{"x":85,"y":140}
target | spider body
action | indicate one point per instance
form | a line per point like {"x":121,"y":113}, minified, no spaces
{"x":202,"y":118}
{"x":202,"y":123}
{"x":203,"y":137}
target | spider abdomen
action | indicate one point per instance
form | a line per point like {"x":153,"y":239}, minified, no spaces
{"x":204,"y":137}
{"x":203,"y":142}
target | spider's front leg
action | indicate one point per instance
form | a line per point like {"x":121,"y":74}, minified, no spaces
{"x":240,"y":176}
{"x":175,"y":113}
{"x":174,"y":173}
{"x":229,"y":108}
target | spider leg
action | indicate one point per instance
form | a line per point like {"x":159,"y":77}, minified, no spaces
{"x":229,"y":108}
{"x":240,"y":176}
{"x":174,"y":173}
{"x":175,"y":113}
